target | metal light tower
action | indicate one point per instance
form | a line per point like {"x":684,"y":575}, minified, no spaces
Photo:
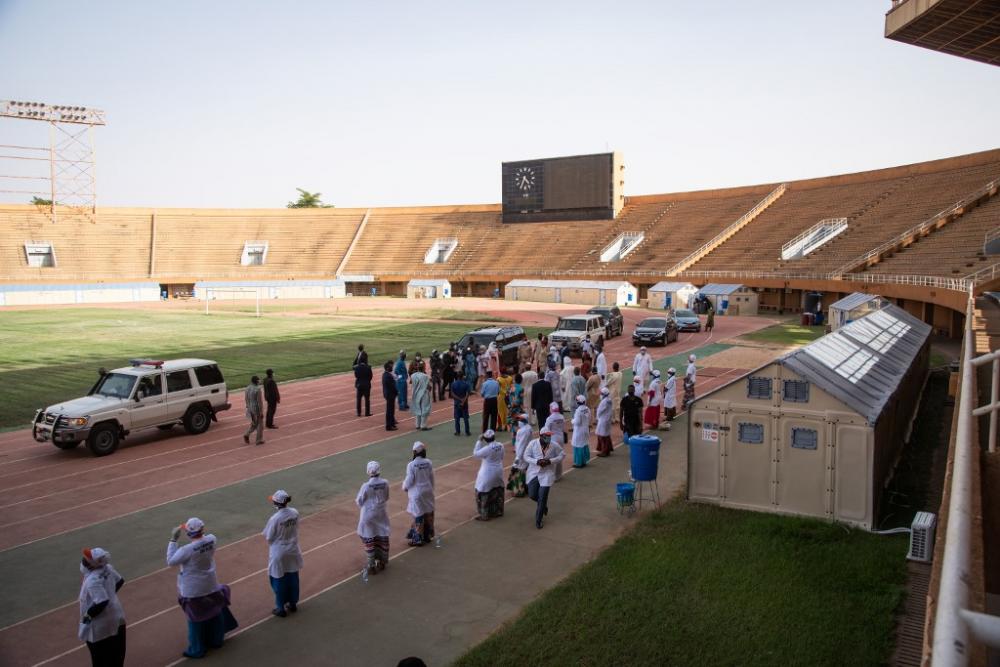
{"x":72,"y":163}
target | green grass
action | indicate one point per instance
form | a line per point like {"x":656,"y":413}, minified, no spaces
{"x":53,"y":355}
{"x":787,"y":334}
{"x":700,"y":585}
{"x":938,"y":360}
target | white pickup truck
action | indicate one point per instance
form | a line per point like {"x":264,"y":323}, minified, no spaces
{"x":146,"y":394}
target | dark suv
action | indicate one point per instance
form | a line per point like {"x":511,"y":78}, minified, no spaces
{"x":614,"y":323}
{"x":508,"y":339}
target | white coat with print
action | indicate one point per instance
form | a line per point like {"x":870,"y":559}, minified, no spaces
{"x":490,"y":457}
{"x":419,"y":486}
{"x":99,"y":586}
{"x":546,"y":474}
{"x":373,"y":499}
{"x":197,"y":562}
{"x":282,"y":535}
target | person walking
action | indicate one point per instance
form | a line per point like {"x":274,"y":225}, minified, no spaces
{"x":555,"y":384}
{"x":569,"y":371}
{"x":373,"y":520}
{"x":471,"y":368}
{"x":421,"y":398}
{"x":503,"y":403}
{"x":490,"y":391}
{"x":690,"y":378}
{"x":710,"y":319}
{"x":460,"y":391}
{"x":541,"y":398}
{"x":284,"y":558}
{"x":389,"y":392}
{"x":594,"y":386}
{"x":528,"y":380}
{"x":401,"y":373}
{"x":542,"y":456}
{"x":447,"y":370}
{"x":555,"y":424}
{"x":419,"y":487}
{"x":642,"y":367}
{"x":363,"y":387}
{"x":605,"y":410}
{"x":489,"y":479}
{"x":631,"y":413}
{"x":437,"y":373}
{"x":102,"y":619}
{"x":271,"y":396}
{"x":541,"y":353}
{"x":601,"y":365}
{"x":581,"y":433}
{"x":516,"y":482}
{"x":670,"y":396}
{"x":614,"y":384}
{"x":254,"y":399}
{"x":203,"y":599}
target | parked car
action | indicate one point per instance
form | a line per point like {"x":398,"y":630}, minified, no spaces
{"x":687,"y":320}
{"x":655,"y":331}
{"x":574,"y":328}
{"x":508,"y":340}
{"x":147,"y":394}
{"x":614,"y":322}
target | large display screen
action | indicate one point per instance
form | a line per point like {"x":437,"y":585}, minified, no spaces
{"x":581,"y":187}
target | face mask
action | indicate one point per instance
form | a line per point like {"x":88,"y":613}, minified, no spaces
{"x":545,"y":439}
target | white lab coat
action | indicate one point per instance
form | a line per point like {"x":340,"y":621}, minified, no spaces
{"x":557,"y":424}
{"x":282,"y":535}
{"x":581,"y":426}
{"x":197,"y":562}
{"x":547,"y":475}
{"x":642,"y":366}
{"x":528,"y":379}
{"x":587,"y":347}
{"x":555,"y":381}
{"x":373,"y":498}
{"x":521,"y":439}
{"x":670,"y":393}
{"x":692,"y":372}
{"x":567,"y":381}
{"x":605,"y":414}
{"x":419,"y":486}
{"x":602,"y":365}
{"x":657,"y":395}
{"x":99,"y":585}
{"x":490,"y":465}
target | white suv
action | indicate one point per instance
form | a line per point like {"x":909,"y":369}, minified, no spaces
{"x":147,"y":394}
{"x":574,"y":328}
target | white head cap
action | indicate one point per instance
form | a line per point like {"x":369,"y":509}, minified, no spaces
{"x":581,"y":399}
{"x":280,"y":497}
{"x":605,"y":391}
{"x":691,"y":357}
{"x":194,"y":526}
{"x":642,"y":349}
{"x":418,"y":446}
{"x":553,"y":407}
{"x":373,"y":468}
{"x":656,"y":373}
{"x":96,"y":557}
{"x":671,"y":371}
{"x":489,"y":434}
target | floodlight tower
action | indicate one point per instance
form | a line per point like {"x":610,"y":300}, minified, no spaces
{"x":72,"y":162}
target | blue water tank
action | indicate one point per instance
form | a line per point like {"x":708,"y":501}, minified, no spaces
{"x":644,"y":455}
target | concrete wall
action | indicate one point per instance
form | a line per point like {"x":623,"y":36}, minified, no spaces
{"x":34,"y":295}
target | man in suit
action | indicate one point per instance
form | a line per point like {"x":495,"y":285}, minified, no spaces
{"x":272,"y":397}
{"x":541,"y":396}
{"x":363,"y":387}
{"x":361,"y":356}
{"x":389,"y":392}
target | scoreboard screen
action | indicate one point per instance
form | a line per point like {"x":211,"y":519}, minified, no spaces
{"x":581,"y":187}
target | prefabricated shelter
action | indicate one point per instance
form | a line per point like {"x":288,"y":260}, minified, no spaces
{"x":853,"y":307}
{"x":731,"y":299}
{"x":586,"y":292}
{"x":670,"y":295}
{"x":39,"y":294}
{"x":270,"y":289}
{"x":815,"y":432}
{"x":428,"y":289}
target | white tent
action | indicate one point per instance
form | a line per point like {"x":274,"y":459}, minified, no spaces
{"x":671,"y":295}
{"x":428,"y":289}
{"x":586,"y":292}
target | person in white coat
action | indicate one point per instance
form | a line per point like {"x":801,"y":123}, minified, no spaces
{"x":284,"y":558}
{"x":528,"y":380}
{"x":516,"y":482}
{"x":542,"y":455}
{"x":419,"y":487}
{"x":670,"y":396}
{"x":489,"y":480}
{"x":373,"y":522}
{"x":642,"y":367}
{"x":690,"y":377}
{"x":566,"y":384}
{"x":581,"y":433}
{"x":601,"y":365}
{"x":605,"y":415}
{"x":654,"y":399}
{"x":556,"y":426}
{"x":102,"y":619}
{"x":204,"y":600}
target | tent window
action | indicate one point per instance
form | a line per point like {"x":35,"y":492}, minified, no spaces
{"x":758,"y":387}
{"x":804,"y":438}
{"x":750,"y":433}
{"x":796,"y":391}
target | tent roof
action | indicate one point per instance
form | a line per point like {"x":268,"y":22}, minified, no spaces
{"x":428,"y":282}
{"x":665,"y":286}
{"x":586,"y":284}
{"x":720,"y":288}
{"x":852,"y":301}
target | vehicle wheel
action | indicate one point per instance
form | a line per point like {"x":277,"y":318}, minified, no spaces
{"x":66,"y":445}
{"x":197,"y":420}
{"x":165,"y":427}
{"x":103,"y":439}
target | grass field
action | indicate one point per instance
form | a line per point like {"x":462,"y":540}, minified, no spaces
{"x":52,"y":355}
{"x":700,"y":585}
{"x":786,"y":334}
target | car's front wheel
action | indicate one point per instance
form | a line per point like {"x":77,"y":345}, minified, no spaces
{"x":197,"y":420}
{"x":103,"y":439}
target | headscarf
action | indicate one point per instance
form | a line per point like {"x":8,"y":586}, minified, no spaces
{"x":96,"y":557}
{"x":373,"y":468}
{"x":554,"y":408}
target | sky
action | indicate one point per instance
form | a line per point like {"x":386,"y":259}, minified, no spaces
{"x":235,"y":104}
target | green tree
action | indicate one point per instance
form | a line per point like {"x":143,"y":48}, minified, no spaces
{"x":38,"y":201}
{"x":308,"y":200}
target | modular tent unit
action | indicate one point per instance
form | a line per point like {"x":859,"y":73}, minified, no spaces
{"x":428,"y":289}
{"x":271,"y":289}
{"x":852,"y":307}
{"x":585,"y":292}
{"x":33,"y":295}
{"x":817,"y":431}
{"x":730,"y":299}
{"x":671,"y":295}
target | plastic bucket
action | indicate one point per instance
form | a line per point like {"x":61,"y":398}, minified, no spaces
{"x":644,"y":455}
{"x":626,"y":493}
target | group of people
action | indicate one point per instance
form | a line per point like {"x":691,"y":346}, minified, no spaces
{"x":204,"y":601}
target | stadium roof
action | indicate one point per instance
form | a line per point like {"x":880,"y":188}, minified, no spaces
{"x":965,"y":28}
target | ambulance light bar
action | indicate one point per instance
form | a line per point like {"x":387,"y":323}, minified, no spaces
{"x":145,"y":362}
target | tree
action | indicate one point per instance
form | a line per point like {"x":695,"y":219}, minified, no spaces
{"x":38,"y":201}
{"x":308,"y":200}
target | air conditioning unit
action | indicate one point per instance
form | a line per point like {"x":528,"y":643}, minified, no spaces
{"x":922,"y":537}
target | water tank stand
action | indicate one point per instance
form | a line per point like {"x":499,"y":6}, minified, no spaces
{"x":646,"y":491}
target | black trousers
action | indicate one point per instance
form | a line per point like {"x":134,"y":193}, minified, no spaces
{"x":540,"y":494}
{"x":271,"y":409}
{"x":390,"y":413}
{"x":109,"y":652}
{"x":490,"y":414}
{"x":363,"y":392}
{"x":541,"y":415}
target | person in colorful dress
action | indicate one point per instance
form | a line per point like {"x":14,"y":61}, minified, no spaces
{"x":654,"y":399}
{"x":517,"y":482}
{"x":503,"y":405}
{"x":515,"y":400}
{"x":489,"y":480}
{"x":605,"y":410}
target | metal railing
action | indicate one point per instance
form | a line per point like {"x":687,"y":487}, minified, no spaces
{"x":825,"y":224}
{"x":990,"y":236}
{"x":634,"y":238}
{"x":987,"y":190}
{"x":954,"y":622}
{"x":734,"y":227}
